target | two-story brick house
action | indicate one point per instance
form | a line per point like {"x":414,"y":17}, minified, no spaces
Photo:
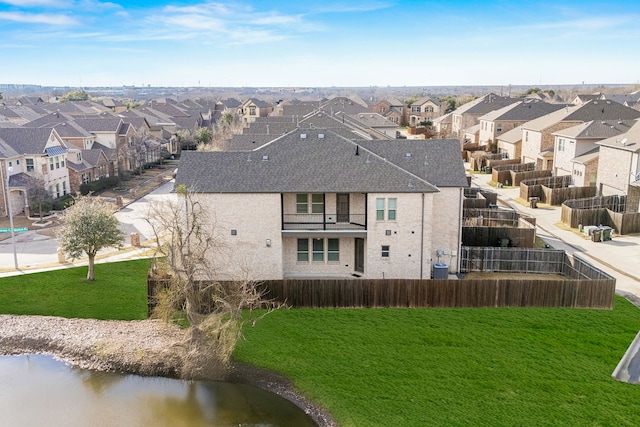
{"x":314,"y":204}
{"x":29,"y":156}
{"x":497,"y":122}
{"x":252,"y":108}
{"x":538,"y":137}
{"x":576,"y":149}
{"x":423,"y":109}
{"x":619,"y":166}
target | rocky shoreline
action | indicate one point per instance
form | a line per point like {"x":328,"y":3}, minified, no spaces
{"x":144,"y":347}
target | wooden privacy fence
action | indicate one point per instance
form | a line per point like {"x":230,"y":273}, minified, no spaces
{"x":508,"y":292}
{"x":582,"y":286}
{"x":533,"y":187}
{"x":478,"y":159}
{"x":477,"y":198}
{"x":514,"y":174}
{"x":605,"y":210}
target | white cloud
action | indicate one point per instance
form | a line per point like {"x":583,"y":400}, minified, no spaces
{"x":34,"y":18}
{"x":37,"y":3}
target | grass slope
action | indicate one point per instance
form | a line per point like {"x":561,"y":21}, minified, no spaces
{"x":119,"y":292}
{"x":488,"y":367}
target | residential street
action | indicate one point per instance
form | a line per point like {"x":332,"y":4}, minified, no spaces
{"x":37,"y":250}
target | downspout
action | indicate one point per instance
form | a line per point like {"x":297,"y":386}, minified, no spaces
{"x":4,"y":191}
{"x":460,"y":211}
{"x":422,"y":240}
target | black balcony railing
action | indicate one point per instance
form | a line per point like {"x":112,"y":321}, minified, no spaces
{"x":324,"y":222}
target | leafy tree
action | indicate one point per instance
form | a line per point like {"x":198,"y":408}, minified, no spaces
{"x":411,"y":100}
{"x":203,"y":136}
{"x":75,"y":95}
{"x":87,"y":227}
{"x":449,"y":102}
{"x":191,"y":253}
{"x":39,"y":199}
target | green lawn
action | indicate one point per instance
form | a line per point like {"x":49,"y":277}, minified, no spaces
{"x":119,"y":292}
{"x":464,"y":367}
{"x":400,"y":367}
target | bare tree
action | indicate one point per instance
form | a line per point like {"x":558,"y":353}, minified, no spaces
{"x":40,"y":200}
{"x":190,"y":255}
{"x":224,"y":129}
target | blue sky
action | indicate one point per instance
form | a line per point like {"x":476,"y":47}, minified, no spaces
{"x":327,"y":43}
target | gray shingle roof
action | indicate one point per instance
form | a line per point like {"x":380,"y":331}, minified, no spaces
{"x":293,"y":163}
{"x":100,"y":124}
{"x":18,"y":141}
{"x":437,"y":161}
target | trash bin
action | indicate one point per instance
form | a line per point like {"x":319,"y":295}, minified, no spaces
{"x":533,"y":202}
{"x":440,"y":270}
{"x":503,"y":242}
{"x":135,"y":239}
{"x":606,"y":233}
{"x":596,"y":235}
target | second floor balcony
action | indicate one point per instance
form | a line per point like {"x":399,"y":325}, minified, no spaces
{"x":324,"y":211}
{"x":328,"y":221}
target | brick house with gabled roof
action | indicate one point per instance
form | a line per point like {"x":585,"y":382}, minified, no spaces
{"x":332,"y":207}
{"x":393,"y":109}
{"x":86,"y":166}
{"x":579,"y":140}
{"x":424,"y":109}
{"x":497,"y":122}
{"x":28,"y":155}
{"x":467,"y":115}
{"x":619,"y":166}
{"x":252,"y":108}
{"x":538,"y":138}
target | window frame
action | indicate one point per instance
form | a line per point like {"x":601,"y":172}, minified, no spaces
{"x":392,"y":211}
{"x":333,"y":254}
{"x":303,"y":252}
{"x":380,"y":206}
{"x":317,"y":249}
{"x":386,"y":251}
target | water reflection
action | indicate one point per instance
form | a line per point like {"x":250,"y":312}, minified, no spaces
{"x":37,"y":390}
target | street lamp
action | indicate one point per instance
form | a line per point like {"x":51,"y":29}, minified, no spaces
{"x":10,"y":209}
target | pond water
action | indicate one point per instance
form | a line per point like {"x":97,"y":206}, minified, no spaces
{"x":37,"y":390}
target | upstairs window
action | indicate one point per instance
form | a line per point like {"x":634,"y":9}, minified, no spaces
{"x":317,"y":203}
{"x":379,"y":209}
{"x":391,"y":209}
{"x":30,"y":165}
{"x":302,"y":203}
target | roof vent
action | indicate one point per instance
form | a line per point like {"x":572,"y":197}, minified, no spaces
{"x":408,"y":155}
{"x":321,"y":136}
{"x":265,"y":158}
{"x":303,"y":136}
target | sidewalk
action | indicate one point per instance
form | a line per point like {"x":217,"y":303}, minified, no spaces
{"x":617,"y":257}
